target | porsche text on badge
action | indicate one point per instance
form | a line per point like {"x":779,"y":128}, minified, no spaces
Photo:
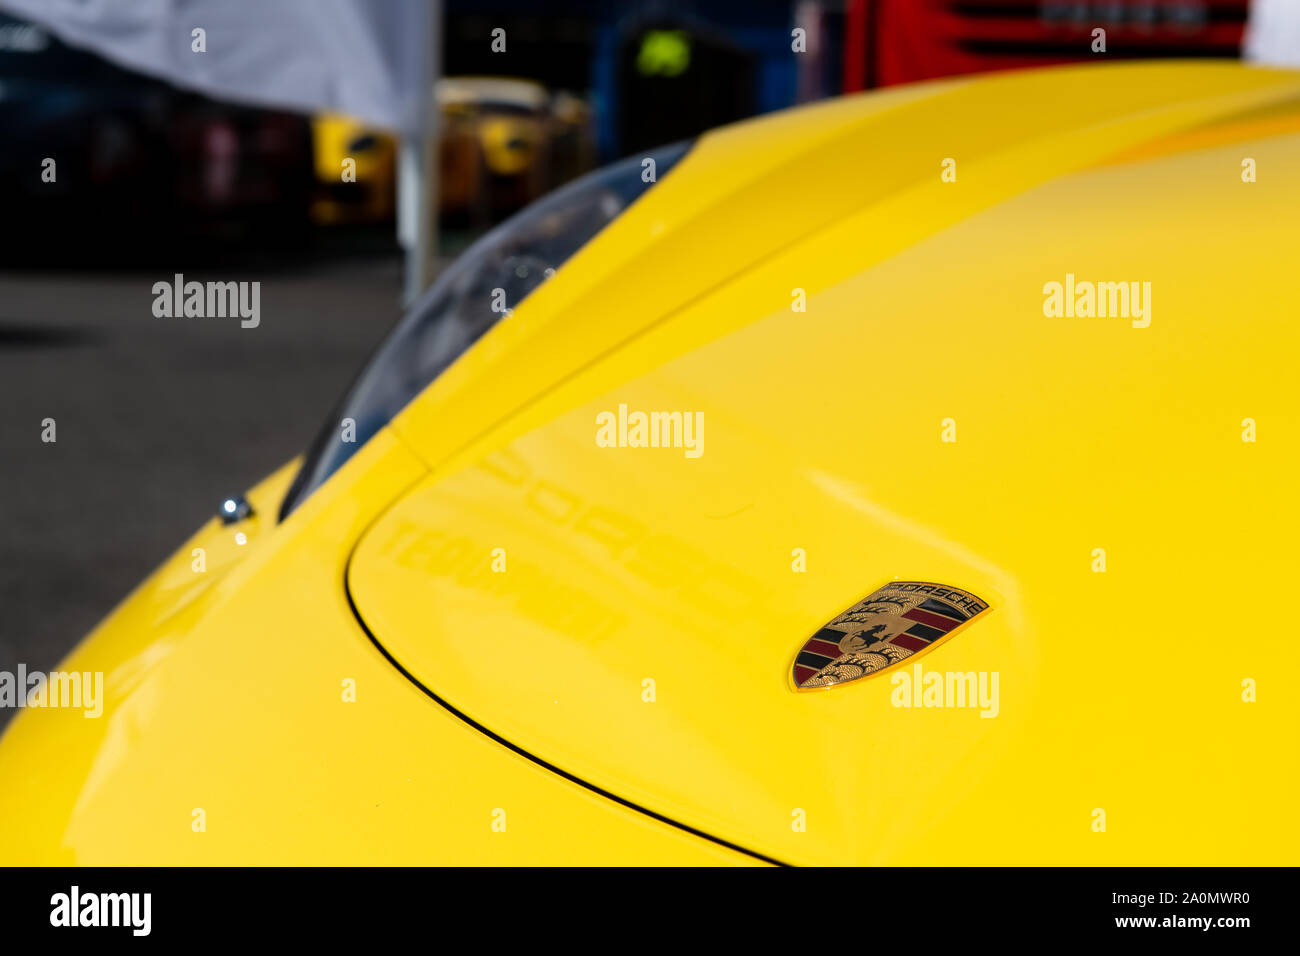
{"x":889,"y":625}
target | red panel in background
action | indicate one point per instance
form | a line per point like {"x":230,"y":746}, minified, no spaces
{"x":856,"y":36}
{"x":901,"y":41}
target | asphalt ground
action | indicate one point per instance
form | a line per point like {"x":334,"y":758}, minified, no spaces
{"x":157,"y":419}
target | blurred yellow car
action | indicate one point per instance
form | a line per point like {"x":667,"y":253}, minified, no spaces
{"x":356,"y":171}
{"x":502,"y":143}
{"x":805,"y":494}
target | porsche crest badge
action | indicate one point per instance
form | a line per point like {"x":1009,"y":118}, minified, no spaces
{"x":889,"y":625}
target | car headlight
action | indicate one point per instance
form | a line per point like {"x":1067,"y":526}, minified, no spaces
{"x":517,"y":257}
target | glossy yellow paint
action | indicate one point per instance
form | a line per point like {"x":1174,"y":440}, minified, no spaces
{"x":1118,"y":691}
{"x":224,"y":694}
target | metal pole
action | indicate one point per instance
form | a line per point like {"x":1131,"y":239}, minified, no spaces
{"x":417,"y":181}
{"x":416,"y":212}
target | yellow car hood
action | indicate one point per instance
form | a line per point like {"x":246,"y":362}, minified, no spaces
{"x":883,"y":397}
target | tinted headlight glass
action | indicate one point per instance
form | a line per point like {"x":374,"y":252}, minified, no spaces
{"x":515,"y":257}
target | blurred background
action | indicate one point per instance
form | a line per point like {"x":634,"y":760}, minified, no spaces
{"x":223,"y":166}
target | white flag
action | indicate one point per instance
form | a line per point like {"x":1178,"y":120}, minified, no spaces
{"x":368,"y":58}
{"x":1273,"y":33}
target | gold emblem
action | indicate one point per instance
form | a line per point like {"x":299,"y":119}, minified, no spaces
{"x":888,"y":626}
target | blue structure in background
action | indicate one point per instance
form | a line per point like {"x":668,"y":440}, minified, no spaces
{"x":761,"y":29}
{"x":547,"y":44}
